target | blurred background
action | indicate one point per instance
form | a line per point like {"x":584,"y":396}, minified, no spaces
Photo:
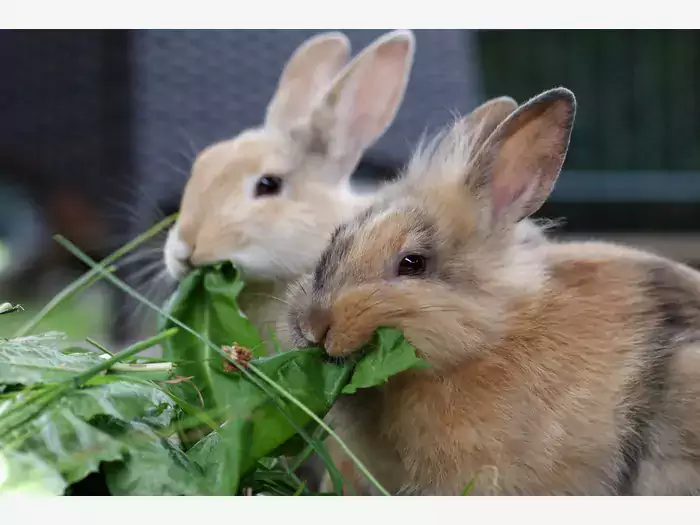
{"x":98,"y":130}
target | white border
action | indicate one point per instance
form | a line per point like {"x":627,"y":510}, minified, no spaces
{"x":321,"y":14}
{"x":350,"y":510}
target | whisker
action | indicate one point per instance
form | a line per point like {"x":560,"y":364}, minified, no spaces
{"x":178,"y":169}
{"x":194,"y":150}
{"x":144,"y":252}
{"x":269,"y":296}
{"x":144,"y":272}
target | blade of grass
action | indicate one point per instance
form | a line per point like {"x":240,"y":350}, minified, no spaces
{"x":98,"y":346}
{"x":93,"y":276}
{"x":245,"y":370}
{"x":469,"y":487}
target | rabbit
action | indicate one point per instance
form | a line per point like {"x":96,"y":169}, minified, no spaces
{"x":268,"y":199}
{"x":476,"y":127}
{"x":478,"y":124}
{"x":556,"y":368}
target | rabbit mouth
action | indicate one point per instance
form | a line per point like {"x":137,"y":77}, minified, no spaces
{"x":336,"y":359}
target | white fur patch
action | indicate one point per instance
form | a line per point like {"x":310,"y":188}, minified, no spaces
{"x":176,"y":253}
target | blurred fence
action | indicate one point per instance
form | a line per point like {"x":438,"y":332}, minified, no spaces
{"x":634,"y":161}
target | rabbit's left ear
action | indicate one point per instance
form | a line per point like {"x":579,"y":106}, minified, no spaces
{"x":307,"y":74}
{"x":364,"y":99}
{"x":517,"y":166}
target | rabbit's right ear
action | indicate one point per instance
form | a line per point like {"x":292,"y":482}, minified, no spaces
{"x":517,"y":166}
{"x":306,"y":76}
{"x":364,"y":99}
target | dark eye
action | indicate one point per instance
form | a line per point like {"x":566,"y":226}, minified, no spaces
{"x":268,"y":185}
{"x":411,"y":265}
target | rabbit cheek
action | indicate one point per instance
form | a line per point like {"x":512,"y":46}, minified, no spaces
{"x":351,"y":327}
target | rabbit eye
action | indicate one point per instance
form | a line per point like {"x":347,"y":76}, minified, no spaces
{"x":412,"y":265}
{"x":268,"y":185}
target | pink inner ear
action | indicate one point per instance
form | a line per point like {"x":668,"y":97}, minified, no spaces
{"x":504,"y":195}
{"x":510,"y":178}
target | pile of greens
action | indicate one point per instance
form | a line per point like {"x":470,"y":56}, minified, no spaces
{"x":197,"y":422}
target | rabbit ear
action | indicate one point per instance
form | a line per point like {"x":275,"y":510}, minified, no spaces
{"x":306,"y":76}
{"x":483,"y":120}
{"x":520,"y":161}
{"x":365,"y":97}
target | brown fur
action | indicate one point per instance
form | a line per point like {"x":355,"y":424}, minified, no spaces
{"x":556,"y":368}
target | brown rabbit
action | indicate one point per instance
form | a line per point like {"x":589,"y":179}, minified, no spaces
{"x":479,"y":124}
{"x":556,"y":368}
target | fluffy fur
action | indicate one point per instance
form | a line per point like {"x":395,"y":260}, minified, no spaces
{"x":557,"y":368}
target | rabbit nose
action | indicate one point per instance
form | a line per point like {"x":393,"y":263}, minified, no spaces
{"x":316,"y":325}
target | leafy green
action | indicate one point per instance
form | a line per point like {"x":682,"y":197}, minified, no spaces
{"x":27,"y":474}
{"x":153,"y":467}
{"x":311,"y":378}
{"x":206,"y":300}
{"x":307,"y":376}
{"x":387,"y":354}
{"x":35,"y":359}
{"x":61,"y":432}
{"x":38,"y":359}
{"x":222,"y":464}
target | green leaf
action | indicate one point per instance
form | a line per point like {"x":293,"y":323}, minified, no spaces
{"x":28,"y":474}
{"x":206,"y":300}
{"x":221,"y":455}
{"x":311,"y":378}
{"x":69,"y":433}
{"x":69,"y":444}
{"x":153,"y":467}
{"x":38,"y":359}
{"x":388,"y":354}
{"x":124,"y":400}
{"x":305,"y":373}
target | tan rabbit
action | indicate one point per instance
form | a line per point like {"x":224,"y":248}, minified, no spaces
{"x":477,"y":126}
{"x":268,"y":199}
{"x":556,"y":368}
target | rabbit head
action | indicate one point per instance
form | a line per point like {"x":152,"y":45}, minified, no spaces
{"x":439,"y":254}
{"x":268,"y":199}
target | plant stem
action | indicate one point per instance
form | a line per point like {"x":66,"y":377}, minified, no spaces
{"x":143,"y":367}
{"x":124,"y":354}
{"x":245,"y":370}
{"x":94,"y":275}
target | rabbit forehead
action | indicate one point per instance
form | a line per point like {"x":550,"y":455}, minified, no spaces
{"x":220,"y":173}
{"x":252,"y":152}
{"x":361,"y":249}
